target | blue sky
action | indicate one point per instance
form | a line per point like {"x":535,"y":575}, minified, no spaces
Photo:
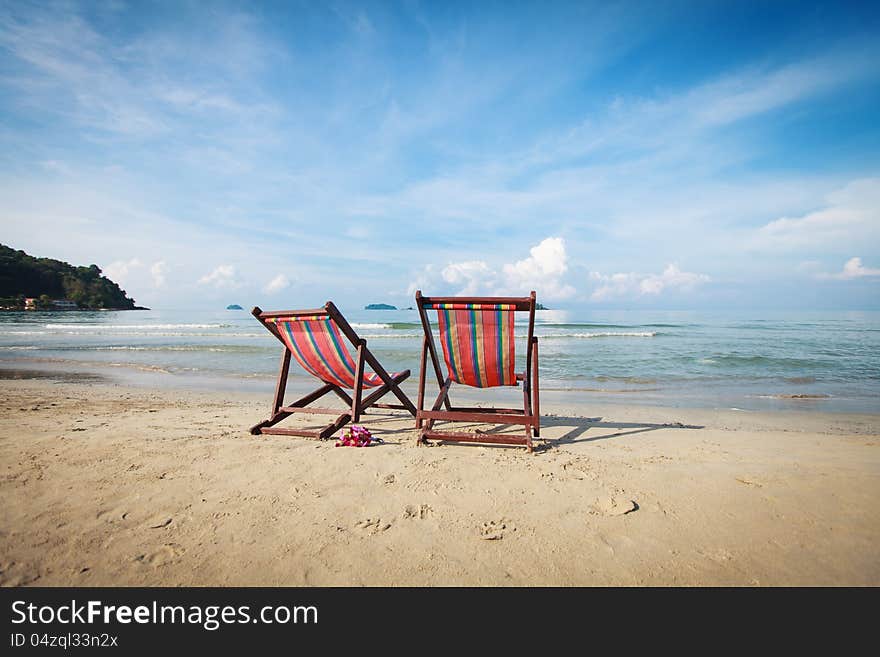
{"x":609,"y":155}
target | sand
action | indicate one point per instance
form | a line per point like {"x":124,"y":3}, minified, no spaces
{"x":114,"y":485}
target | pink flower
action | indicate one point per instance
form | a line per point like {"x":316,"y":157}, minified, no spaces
{"x":355,"y":436}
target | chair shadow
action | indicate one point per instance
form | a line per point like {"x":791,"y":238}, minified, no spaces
{"x":584,"y":424}
{"x":577,"y":434}
{"x":377,"y":418}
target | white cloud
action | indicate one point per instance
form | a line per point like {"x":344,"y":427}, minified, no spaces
{"x":672,"y":277}
{"x":119,"y":270}
{"x":542,"y":271}
{"x":633,"y":284}
{"x":223,"y":277}
{"x":850,"y":215}
{"x":474,"y":275}
{"x":158,"y":271}
{"x":853,"y":268}
{"x":280,"y":282}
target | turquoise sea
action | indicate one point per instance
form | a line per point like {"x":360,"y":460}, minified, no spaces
{"x":826,"y":361}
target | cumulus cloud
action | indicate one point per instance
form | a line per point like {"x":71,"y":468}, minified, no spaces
{"x":472,"y":276}
{"x":119,"y":270}
{"x":543,"y":271}
{"x":223,"y":277}
{"x":280,"y":282}
{"x":853,"y":268}
{"x":632,"y":284}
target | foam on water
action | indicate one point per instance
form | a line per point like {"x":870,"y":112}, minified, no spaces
{"x":737,"y":361}
{"x":125,"y":327}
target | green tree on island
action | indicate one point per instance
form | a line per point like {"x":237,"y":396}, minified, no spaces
{"x":22,"y":275}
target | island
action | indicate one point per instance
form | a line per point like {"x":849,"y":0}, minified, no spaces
{"x":30,"y":283}
{"x":234,"y":306}
{"x":541,"y":306}
{"x":379,"y":306}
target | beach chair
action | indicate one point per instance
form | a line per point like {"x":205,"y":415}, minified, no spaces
{"x":477,"y":336}
{"x":317,"y":340}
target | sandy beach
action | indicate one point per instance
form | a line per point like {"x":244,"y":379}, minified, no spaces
{"x":113,"y":485}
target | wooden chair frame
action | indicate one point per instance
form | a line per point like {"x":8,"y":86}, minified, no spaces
{"x":356,"y":401}
{"x":529,"y":416}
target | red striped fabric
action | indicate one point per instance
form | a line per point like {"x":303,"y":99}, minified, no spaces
{"x":470,"y":306}
{"x":478,"y":344}
{"x":319,"y":347}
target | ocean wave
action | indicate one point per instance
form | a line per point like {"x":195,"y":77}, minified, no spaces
{"x":795,"y":396}
{"x":358,"y":325}
{"x":601,"y":334}
{"x":140,"y":334}
{"x":523,"y":336}
{"x":395,"y":326}
{"x":581,"y":325}
{"x":238,"y":349}
{"x":756,"y":360}
{"x":230,"y":349}
{"x":627,"y":379}
{"x":615,"y":391}
{"x":126,"y":327}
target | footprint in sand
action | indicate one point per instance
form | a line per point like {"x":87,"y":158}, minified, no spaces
{"x":161,"y":556}
{"x":13,"y":573}
{"x":494,"y":530}
{"x":159,"y":521}
{"x":613,"y":505}
{"x":421,"y":512}
{"x":111,"y":515}
{"x":579,"y":469}
{"x":373,"y":525}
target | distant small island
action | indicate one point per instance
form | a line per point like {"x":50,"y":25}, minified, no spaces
{"x":379,"y":306}
{"x":234,"y":306}
{"x":29,"y":283}
{"x":541,"y":306}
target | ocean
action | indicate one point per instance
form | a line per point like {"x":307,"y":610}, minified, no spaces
{"x":827,"y":361}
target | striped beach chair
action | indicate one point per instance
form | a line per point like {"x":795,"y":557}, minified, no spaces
{"x":477,"y":338}
{"x":319,"y":341}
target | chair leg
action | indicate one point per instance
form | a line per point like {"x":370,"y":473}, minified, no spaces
{"x":536,"y":404}
{"x":421,"y":399}
{"x":278,"y":399}
{"x":442,"y":398}
{"x":334,"y":426}
{"x":393,"y":385}
{"x":358,"y":385}
{"x":279,"y":415}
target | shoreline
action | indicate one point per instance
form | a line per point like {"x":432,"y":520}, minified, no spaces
{"x":109,"y":484}
{"x":152,"y":377}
